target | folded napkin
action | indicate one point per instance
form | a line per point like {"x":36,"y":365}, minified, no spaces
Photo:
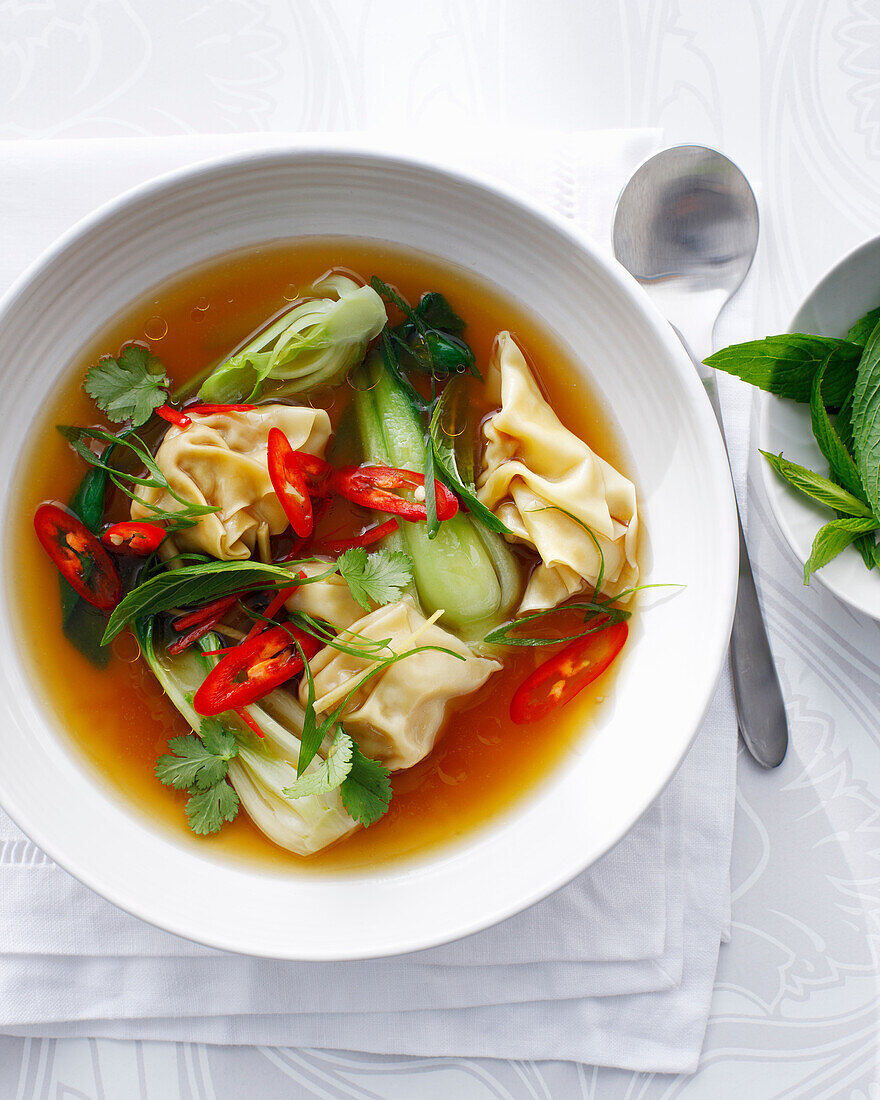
{"x":616,"y":969}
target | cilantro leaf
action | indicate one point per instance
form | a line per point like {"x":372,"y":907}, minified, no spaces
{"x":207,"y":810}
{"x":129,"y":387}
{"x":366,"y":790}
{"x":198,"y":763}
{"x":380,"y":576}
{"x":331,"y":771}
{"x":217,"y":739}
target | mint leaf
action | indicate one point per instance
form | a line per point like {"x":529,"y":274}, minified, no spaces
{"x":818,"y":487}
{"x":366,"y":790}
{"x":833,"y":538}
{"x":129,"y":387}
{"x":785,"y":365}
{"x":832,"y":446}
{"x":866,"y":419}
{"x":207,"y":810}
{"x":380,"y":576}
{"x":861,"y":331}
{"x":331,"y":771}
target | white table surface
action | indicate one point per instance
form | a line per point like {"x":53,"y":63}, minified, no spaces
{"x":791,"y":90}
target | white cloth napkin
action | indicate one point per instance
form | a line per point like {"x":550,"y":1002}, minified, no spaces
{"x":616,"y":969}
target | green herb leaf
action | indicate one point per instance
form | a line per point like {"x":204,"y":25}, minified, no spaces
{"x":311,"y":737}
{"x":861,"y":331}
{"x":380,"y":576}
{"x":77,"y":438}
{"x":217,"y":739}
{"x":785,"y":365}
{"x":840,"y":461}
{"x":447,"y":467}
{"x":599,"y":616}
{"x":429,"y":339}
{"x":331,"y":771}
{"x":833,"y":538}
{"x":193,"y":585}
{"x":196,"y":762}
{"x":206,"y":810}
{"x":866,"y":420}
{"x":818,"y":487}
{"x":130,"y":387}
{"x":432,"y":523}
{"x":82,"y":624}
{"x":366,"y":790}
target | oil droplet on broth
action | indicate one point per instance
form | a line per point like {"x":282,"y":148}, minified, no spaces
{"x":323,"y":399}
{"x":126,"y":648}
{"x":155,"y":328}
{"x":290,"y":293}
{"x":202,"y":304}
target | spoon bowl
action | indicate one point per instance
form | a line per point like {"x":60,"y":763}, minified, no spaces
{"x":686,"y":226}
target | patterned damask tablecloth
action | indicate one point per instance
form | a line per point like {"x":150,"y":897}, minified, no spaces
{"x":791,"y":89}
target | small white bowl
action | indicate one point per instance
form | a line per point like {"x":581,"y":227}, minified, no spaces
{"x":676,"y":457}
{"x":847,"y":292}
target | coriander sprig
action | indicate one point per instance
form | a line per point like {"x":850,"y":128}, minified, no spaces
{"x":200,"y":766}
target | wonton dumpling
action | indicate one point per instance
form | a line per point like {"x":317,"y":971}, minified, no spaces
{"x":220,"y":459}
{"x":329,"y":599}
{"x":397,"y":715}
{"x":533,"y":461}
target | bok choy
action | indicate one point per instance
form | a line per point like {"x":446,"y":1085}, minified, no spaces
{"x":261,"y":769}
{"x":466,"y":570}
{"x":311,"y":345}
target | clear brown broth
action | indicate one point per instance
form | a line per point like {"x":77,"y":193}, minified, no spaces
{"x":119,"y":719}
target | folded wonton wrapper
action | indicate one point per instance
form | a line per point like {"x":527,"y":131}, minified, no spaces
{"x":397,"y":714}
{"x":531,"y":462}
{"x":220,"y":459}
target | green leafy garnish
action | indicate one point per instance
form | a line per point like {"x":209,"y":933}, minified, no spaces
{"x":331,"y":771}
{"x":818,"y":487}
{"x":380,"y":576}
{"x":833,"y":538}
{"x":785,"y":365}
{"x":78,"y":438}
{"x":129,"y":387}
{"x":832,"y":446}
{"x":446,"y":462}
{"x":200,"y":765}
{"x":366,"y":789}
{"x":198,"y":761}
{"x":866,"y":420}
{"x":206,"y":810}
{"x":861,"y":331}
{"x":599,"y":616}
{"x":193,"y":585}
{"x":429,"y":339}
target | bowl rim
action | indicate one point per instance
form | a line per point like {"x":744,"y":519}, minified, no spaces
{"x":776,"y":493}
{"x":696,"y":406}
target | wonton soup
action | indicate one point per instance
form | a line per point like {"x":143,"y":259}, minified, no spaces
{"x":339,"y":556}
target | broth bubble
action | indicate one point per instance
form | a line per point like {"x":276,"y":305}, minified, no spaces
{"x":126,"y":648}
{"x":155,"y":328}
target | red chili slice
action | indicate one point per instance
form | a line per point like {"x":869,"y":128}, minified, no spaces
{"x":193,"y":618}
{"x":289,"y":483}
{"x":134,"y":538}
{"x":198,"y":631}
{"x":316,"y":470}
{"x":271,"y":611}
{"x":248,"y":721}
{"x":253,"y":669}
{"x":80,"y":557}
{"x":369,"y":485}
{"x":174,"y":416}
{"x":336,"y":547}
{"x":207,"y":410}
{"x":556,"y":682}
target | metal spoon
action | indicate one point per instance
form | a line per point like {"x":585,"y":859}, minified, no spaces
{"x":686,"y":226}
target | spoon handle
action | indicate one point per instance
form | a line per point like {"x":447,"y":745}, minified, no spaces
{"x":759,"y":705}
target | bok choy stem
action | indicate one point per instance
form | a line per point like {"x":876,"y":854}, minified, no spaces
{"x":466,"y":570}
